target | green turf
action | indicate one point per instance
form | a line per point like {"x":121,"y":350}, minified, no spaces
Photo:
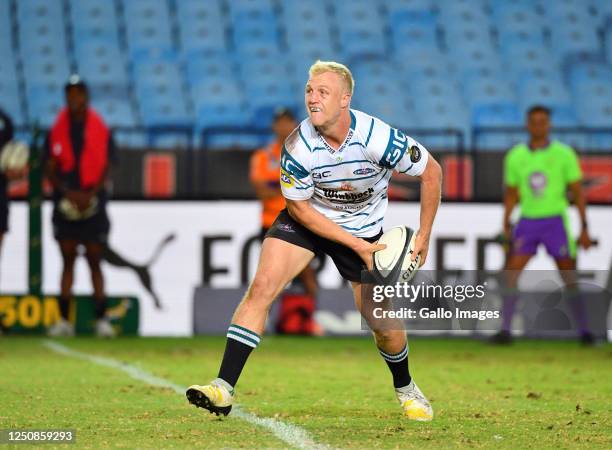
{"x":530,"y":395}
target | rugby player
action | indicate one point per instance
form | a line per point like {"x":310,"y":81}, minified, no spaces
{"x":537,"y":175}
{"x":335,"y":170}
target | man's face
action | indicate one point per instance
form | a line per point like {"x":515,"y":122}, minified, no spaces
{"x":76,"y":98}
{"x":325,"y":97}
{"x":282,"y":127}
{"x":538,"y":125}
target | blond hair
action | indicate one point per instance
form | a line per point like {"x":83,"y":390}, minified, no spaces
{"x":332,"y":66}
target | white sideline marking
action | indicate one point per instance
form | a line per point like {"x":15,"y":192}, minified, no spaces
{"x":291,"y":434}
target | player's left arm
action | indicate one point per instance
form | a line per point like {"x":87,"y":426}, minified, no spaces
{"x":431,"y":192}
{"x":573,"y":176}
{"x":404,"y":154}
{"x":584,"y":240}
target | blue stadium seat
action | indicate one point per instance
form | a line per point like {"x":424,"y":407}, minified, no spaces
{"x":522,"y":57}
{"x":514,"y":39}
{"x":485,"y":92}
{"x":513,"y":14}
{"x":593,"y":92}
{"x":608,"y":45}
{"x":570,"y":41}
{"x":407,"y":6}
{"x":589,"y":72}
{"x":214,"y":65}
{"x":98,"y":49}
{"x":498,"y":115}
{"x":104,"y":71}
{"x":29,"y":11}
{"x":210,"y":116}
{"x":11,"y":104}
{"x":46,"y":33}
{"x":115,"y":112}
{"x":93,"y":14}
{"x":198,"y":36}
{"x":163,"y":110}
{"x":453,"y":13}
{"x":413,"y":35}
{"x":44,"y":102}
{"x":147,"y":25}
{"x":296,"y":13}
{"x":359,"y":15}
{"x":255,"y":31}
{"x":309,"y":37}
{"x":359,"y":43}
{"x":258,"y":50}
{"x":6,"y":25}
{"x":217,"y":91}
{"x":435,"y":88}
{"x":569,"y":14}
{"x":549,"y":92}
{"x":8,"y":72}
{"x":157,"y":71}
{"x":439,"y":113}
{"x":563,"y":116}
{"x":468,"y":37}
{"x":43,"y":70}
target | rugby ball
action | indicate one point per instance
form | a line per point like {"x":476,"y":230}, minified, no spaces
{"x":14,"y":156}
{"x":394,"y":263}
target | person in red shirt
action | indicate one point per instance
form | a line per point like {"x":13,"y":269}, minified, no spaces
{"x":296,"y":312}
{"x":80,"y":150}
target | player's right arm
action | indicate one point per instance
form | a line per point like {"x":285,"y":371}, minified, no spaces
{"x":511,"y":194}
{"x":304,"y":213}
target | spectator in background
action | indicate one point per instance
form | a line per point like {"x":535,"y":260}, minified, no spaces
{"x":80,"y":152}
{"x":6,"y":135}
{"x":538,"y":175}
{"x":296,"y":312}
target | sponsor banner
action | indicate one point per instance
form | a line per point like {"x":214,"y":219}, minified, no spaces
{"x":21,"y":314}
{"x":213,"y":309}
{"x":163,"y":251}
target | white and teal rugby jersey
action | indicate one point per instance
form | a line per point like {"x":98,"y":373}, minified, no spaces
{"x":349,"y":185}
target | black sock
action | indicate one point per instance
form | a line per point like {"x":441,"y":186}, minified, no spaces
{"x":240,"y":343}
{"x":100,"y":308}
{"x":398,"y":365}
{"x":64,"y":307}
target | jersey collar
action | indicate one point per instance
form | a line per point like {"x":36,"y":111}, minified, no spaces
{"x":347,"y":140}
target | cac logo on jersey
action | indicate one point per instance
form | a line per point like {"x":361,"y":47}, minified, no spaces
{"x":285,"y":179}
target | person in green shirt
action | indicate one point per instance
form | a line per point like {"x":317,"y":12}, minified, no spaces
{"x":537,"y":176}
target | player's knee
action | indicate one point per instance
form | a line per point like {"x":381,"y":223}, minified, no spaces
{"x":387,"y":336}
{"x":261,"y":290}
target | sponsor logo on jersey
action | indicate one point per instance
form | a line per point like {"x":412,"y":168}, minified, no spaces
{"x":336,"y":196}
{"x":363,"y":171}
{"x":285,"y":179}
{"x":415,"y":154}
{"x":319,"y":175}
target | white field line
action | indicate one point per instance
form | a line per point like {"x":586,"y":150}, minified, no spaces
{"x":291,"y":434}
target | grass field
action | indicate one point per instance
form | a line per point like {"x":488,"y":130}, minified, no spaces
{"x":530,"y":395}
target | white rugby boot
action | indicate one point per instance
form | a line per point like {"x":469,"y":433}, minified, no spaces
{"x":414,"y":403}
{"x":216,"y":397}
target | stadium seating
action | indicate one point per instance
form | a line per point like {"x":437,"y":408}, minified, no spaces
{"x":448,"y":63}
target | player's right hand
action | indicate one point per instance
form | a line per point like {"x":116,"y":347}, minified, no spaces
{"x":80,"y":199}
{"x":366,"y":250}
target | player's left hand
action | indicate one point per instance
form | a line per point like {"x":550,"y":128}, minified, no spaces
{"x":421,"y":246}
{"x":584,"y":240}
